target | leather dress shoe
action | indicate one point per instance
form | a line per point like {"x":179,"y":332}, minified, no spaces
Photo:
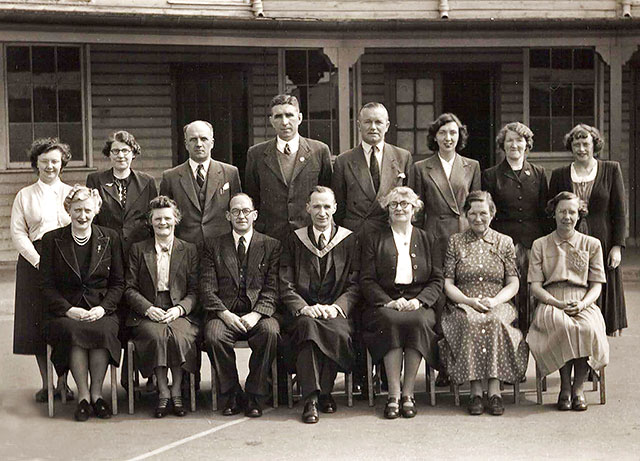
{"x":475,"y":407}
{"x":327,"y":404}
{"x":579,"y":403}
{"x":392,"y":409}
{"x":101,"y":409}
{"x":162,"y":408}
{"x":310,"y":413}
{"x":495,"y":407}
{"x":564,"y":403}
{"x":234,"y":404}
{"x":253,"y":409}
{"x":178,"y":406}
{"x":83,"y":410}
{"x":408,"y":407}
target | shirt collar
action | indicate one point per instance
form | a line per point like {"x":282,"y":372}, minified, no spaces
{"x":294,"y":144}
{"x":326,"y":233}
{"x":194,"y":165}
{"x":46,"y":188}
{"x":247,"y":238}
{"x":159,"y":248}
{"x":490,"y":236}
{"x":366,"y":147}
{"x":450,"y":162}
{"x":573,"y":240}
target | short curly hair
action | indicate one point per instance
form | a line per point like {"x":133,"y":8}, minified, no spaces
{"x":403,"y":192}
{"x":438,"y":123}
{"x":43,"y":145}
{"x":582,"y":130}
{"x":282,"y":99}
{"x":162,"y":201}
{"x":125,"y":137}
{"x":80,"y":192}
{"x":518,"y":128}
{"x":479,"y":196}
{"x":583,"y":209}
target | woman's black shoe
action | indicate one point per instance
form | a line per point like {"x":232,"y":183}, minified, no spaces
{"x":101,"y":409}
{"x":475,"y":407}
{"x":83,"y":410}
{"x":564,"y":402}
{"x":408,"y":407}
{"x":162,"y":409}
{"x":392,"y":409}
{"x":178,"y":406}
{"x":496,"y":407}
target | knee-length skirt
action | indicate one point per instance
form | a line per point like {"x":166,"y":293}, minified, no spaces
{"x":27,"y":324}
{"x":332,"y":336}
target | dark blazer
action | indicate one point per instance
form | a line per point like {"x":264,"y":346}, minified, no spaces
{"x":378,"y":270}
{"x":64,"y":287}
{"x":443,"y":199}
{"x":220,"y":275}
{"x":520,"y":201}
{"x":281,"y":207}
{"x":298,"y":266}
{"x":607,"y":214}
{"x":130,"y":222}
{"x":358,"y":204}
{"x":142,"y":279}
{"x":223,"y":181}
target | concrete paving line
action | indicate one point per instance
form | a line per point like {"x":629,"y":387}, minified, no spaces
{"x":185,"y":440}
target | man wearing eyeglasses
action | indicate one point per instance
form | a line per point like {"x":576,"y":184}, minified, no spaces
{"x":201,"y":186}
{"x":238,"y":294}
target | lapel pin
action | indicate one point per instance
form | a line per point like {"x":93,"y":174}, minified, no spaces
{"x":302,"y":159}
{"x":99,"y":247}
{"x":527,"y":172}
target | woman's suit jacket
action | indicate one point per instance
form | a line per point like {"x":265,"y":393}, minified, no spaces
{"x":520,"y":201}
{"x":378,"y":270}
{"x":130,"y":222}
{"x":142,"y":279}
{"x":63,"y":286}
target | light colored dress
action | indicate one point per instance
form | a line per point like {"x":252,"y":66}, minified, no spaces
{"x":565,"y":268}
{"x":482,"y":345}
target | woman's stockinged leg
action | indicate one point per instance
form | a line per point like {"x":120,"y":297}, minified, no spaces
{"x":98,"y":362}
{"x":79,"y":365}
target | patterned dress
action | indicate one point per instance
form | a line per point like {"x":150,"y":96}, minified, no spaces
{"x":482,"y":345}
{"x":565,"y":268}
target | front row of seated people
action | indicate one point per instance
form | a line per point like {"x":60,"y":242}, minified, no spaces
{"x":246,"y":286}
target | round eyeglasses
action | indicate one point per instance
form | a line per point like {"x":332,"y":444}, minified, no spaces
{"x":394,"y":205}
{"x":235,"y":212}
{"x":124,"y":151}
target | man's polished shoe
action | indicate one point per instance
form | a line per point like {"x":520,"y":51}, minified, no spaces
{"x":178,"y":406}
{"x":310,"y":413}
{"x":408,"y":407}
{"x":579,"y":403}
{"x":162,"y":408}
{"x":475,"y":407}
{"x":234,"y":404}
{"x":101,"y":409}
{"x":83,"y":410}
{"x":253,"y":409}
{"x":564,"y":402}
{"x":392,"y":409}
{"x":327,"y":404}
{"x":495,"y":407}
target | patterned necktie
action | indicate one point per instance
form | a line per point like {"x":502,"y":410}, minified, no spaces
{"x":287,"y":149}
{"x":200,"y":176}
{"x":242,"y":250}
{"x":321,"y":242}
{"x":374,"y":169}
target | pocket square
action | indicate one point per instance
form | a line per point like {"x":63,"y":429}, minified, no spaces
{"x":402,"y":176}
{"x":224,"y":188}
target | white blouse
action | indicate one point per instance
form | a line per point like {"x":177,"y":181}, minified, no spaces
{"x":404,"y":267}
{"x":37,"y":209}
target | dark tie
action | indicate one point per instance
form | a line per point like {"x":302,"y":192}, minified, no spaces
{"x":287,"y":149}
{"x":242,"y":250}
{"x":200,"y":176}
{"x":374,"y":169}
{"x":321,"y":242}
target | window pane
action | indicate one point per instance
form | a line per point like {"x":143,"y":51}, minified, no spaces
{"x":45,"y":106}
{"x":320,"y":101}
{"x":320,"y":130}
{"x":405,"y":140}
{"x":424,"y":115}
{"x":561,"y":126}
{"x":18,"y":64}
{"x":301,"y":93}
{"x":19,"y":103}
{"x":405,"y":116}
{"x":70,"y":105}
{"x":561,"y":101}
{"x":68,"y":59}
{"x":583,"y":59}
{"x":71,"y":133}
{"x":561,"y":58}
{"x":20,"y":138}
{"x":404,"y":90}
{"x":541,"y":134}
{"x":583,"y":101}
{"x":296,"y":66}
{"x":45,"y":130}
{"x":424,"y":90}
{"x":44,"y":64}
{"x":539,"y":97}
{"x":421,"y":141}
{"x":540,"y":58}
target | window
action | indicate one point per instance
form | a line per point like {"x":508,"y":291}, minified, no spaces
{"x":312,"y":79}
{"x":561,"y":94}
{"x":415,"y":111}
{"x":44,"y":92}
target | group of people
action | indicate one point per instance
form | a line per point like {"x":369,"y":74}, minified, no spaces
{"x":319,"y":263}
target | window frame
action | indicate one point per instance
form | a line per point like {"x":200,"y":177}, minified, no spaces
{"x":79,"y":160}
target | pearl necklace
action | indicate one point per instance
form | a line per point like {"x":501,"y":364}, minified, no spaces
{"x":81,"y":240}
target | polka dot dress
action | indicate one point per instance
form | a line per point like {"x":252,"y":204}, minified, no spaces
{"x":482,"y":345}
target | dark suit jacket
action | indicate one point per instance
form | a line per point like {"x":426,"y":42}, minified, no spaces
{"x":378,"y":273}
{"x":130,"y":222}
{"x":220,"y":275}
{"x":520,"y":201}
{"x":443,"y":199}
{"x":281,"y":206}
{"x":298,"y":265}
{"x":223,"y":181}
{"x":64,"y":287}
{"x":142,"y":279}
{"x":358,"y":204}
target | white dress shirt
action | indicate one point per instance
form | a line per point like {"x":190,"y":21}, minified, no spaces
{"x":447,"y":165}
{"x":194,"y":166}
{"x":590,"y":177}
{"x":37,"y":209}
{"x":163,"y":262}
{"x":404,"y":267}
{"x":247,"y":239}
{"x":367,"y":153}
{"x":326,"y":233}
{"x":294,"y":144}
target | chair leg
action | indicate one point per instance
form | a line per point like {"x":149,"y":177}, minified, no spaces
{"x":539,"y":386}
{"x":370,"y":378}
{"x":544,"y":384}
{"x":214,"y":389}
{"x":130,"y":381}
{"x":114,"y":390}
{"x":348,"y":384}
{"x":50,"y":382}
{"x":289,"y":390}
{"x":430,"y":376}
{"x":274,"y":381}
{"x":516,"y":393}
{"x":192,"y":391}
{"x":603,"y":388}
{"x":456,"y":394}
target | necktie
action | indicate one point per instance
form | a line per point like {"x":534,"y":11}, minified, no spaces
{"x":374,"y":169}
{"x":200,"y":176}
{"x":287,"y":149}
{"x":242,"y":250}
{"x":321,"y":242}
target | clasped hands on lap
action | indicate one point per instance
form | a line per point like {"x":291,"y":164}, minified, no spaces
{"x":83,"y":315}
{"x":403,"y":305}
{"x":240,"y":324}
{"x":320,"y":311}
{"x":482,"y":305}
{"x":160,"y":315}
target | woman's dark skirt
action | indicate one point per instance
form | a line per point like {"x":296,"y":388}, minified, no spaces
{"x":27,"y":324}
{"x":63,"y":333}
{"x":386,"y":329}
{"x":165,"y":344}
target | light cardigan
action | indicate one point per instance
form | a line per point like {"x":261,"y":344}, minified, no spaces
{"x":37,"y":209}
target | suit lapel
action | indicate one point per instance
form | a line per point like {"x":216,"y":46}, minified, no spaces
{"x":389,"y":251}
{"x":599,"y":176}
{"x":302,"y":158}
{"x":99,"y":247}
{"x":108,"y":185}
{"x":65,"y":247}
{"x":187,"y":182}
{"x":215,"y":178}
{"x":150,"y":259}
{"x":133,"y":192}
{"x":230,"y":257}
{"x":389,"y":170}
{"x":271,"y":160}
{"x":505,"y":170}
{"x":254,"y":255}
{"x":439,"y":177}
{"x":361,"y":172}
{"x":177,"y":255}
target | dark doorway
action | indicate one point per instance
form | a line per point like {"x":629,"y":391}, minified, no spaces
{"x":218,"y":95}
{"x":634,"y":158}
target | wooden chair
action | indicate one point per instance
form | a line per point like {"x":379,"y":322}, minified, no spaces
{"x":598,"y":378}
{"x":375,"y":378}
{"x":215,"y":384}
{"x":348,"y":388}
{"x":132,"y":384}
{"x":50,"y":386}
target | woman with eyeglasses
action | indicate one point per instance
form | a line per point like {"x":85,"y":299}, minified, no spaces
{"x":125,"y":193}
{"x":401,"y":283}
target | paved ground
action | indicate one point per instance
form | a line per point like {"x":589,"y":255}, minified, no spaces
{"x":529,"y":431}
